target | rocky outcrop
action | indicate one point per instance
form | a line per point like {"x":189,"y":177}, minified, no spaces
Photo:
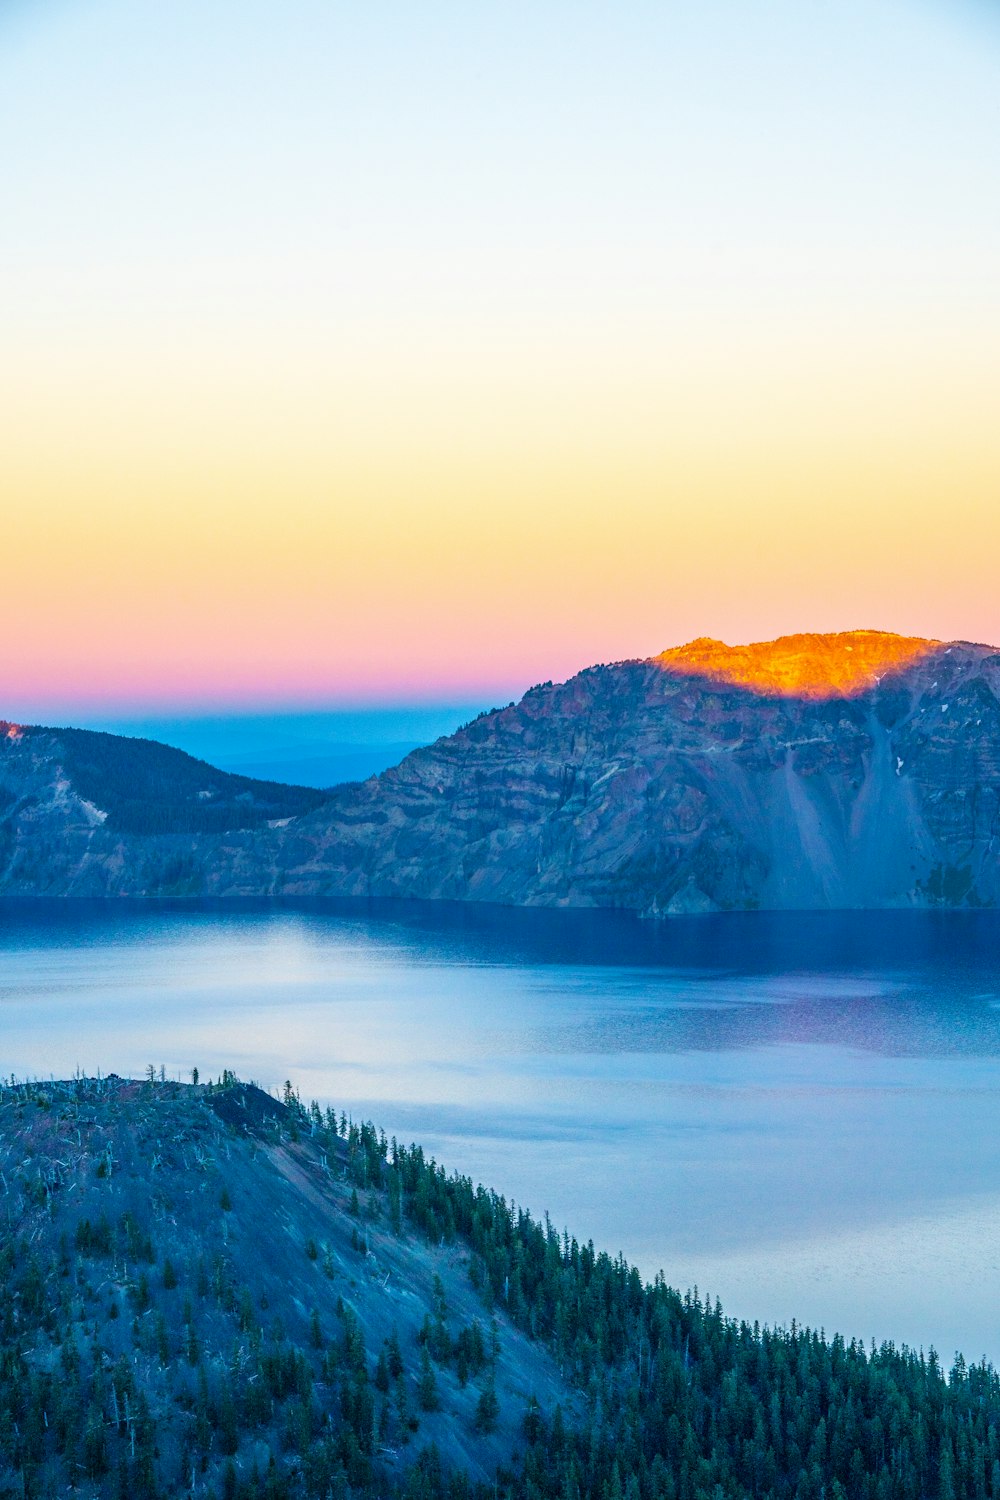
{"x":852,"y":770}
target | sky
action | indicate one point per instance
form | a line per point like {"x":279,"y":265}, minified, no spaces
{"x":390,"y":354}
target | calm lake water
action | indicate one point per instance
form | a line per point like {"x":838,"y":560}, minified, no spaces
{"x":797,"y":1113}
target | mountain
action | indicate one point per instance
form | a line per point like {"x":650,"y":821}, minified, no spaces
{"x":859,"y":769}
{"x":86,"y":813}
{"x":205,"y":1292}
{"x":851,"y":770}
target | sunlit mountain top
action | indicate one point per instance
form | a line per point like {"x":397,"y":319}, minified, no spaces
{"x":841,"y":664}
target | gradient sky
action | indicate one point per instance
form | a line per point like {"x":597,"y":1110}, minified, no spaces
{"x":363,"y":352}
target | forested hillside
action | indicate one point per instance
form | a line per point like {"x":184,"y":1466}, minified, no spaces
{"x":144,"y":787}
{"x":84,"y":813}
{"x":206,"y":1292}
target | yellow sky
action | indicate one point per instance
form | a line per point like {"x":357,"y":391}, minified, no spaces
{"x":307,"y":397}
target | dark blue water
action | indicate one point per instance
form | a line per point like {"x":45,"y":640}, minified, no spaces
{"x":799,"y":1113}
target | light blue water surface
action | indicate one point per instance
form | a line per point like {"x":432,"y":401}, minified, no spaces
{"x":798,"y":1113}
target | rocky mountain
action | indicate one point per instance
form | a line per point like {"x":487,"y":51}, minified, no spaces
{"x":859,"y":769}
{"x":851,"y":770}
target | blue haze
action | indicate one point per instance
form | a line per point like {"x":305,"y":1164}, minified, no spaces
{"x":309,"y":748}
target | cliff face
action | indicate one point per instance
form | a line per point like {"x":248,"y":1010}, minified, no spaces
{"x":852,"y":770}
{"x":834,"y":771}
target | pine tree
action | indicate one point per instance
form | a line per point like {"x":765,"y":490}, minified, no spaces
{"x":487,"y":1408}
{"x":395,"y":1354}
{"x":427,"y":1391}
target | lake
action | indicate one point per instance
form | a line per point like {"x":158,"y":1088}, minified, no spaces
{"x":799,"y":1113}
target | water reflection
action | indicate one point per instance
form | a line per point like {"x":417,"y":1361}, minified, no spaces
{"x":797,"y":1111}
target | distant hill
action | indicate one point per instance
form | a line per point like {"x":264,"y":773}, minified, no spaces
{"x":97,"y":813}
{"x":859,"y":769}
{"x":206,"y":1292}
{"x":319,"y":747}
{"x":335,"y":766}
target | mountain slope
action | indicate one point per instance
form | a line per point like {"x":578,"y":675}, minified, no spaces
{"x":87,"y":813}
{"x":835,"y":771}
{"x":206,"y":1293}
{"x":201,"y":1278}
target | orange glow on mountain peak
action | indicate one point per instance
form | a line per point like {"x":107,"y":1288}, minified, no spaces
{"x":839,"y":665}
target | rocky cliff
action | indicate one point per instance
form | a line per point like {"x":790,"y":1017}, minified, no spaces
{"x":852,"y":770}
{"x":818,"y":771}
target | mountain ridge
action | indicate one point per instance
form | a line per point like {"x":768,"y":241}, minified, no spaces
{"x":676,"y":791}
{"x":207,"y":1292}
{"x":179,"y":1359}
{"x":664,"y":785}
